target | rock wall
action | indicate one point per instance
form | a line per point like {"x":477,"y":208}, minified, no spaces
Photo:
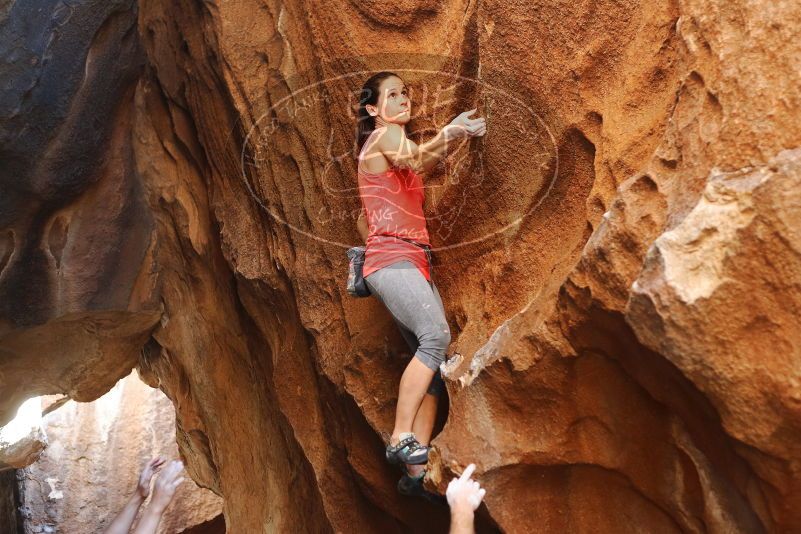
{"x":91,"y":467}
{"x":9,"y":501}
{"x":618,"y":257}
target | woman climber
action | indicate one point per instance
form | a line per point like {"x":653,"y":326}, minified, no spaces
{"x":397,"y":253}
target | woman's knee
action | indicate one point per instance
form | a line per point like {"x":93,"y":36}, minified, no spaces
{"x":436,"y":338}
{"x":444,"y":338}
{"x":433,"y":346}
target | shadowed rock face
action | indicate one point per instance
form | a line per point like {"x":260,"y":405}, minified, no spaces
{"x":74,"y":228}
{"x":627,"y":349}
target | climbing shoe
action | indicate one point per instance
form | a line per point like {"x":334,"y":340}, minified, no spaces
{"x":411,"y":486}
{"x":407,"y":451}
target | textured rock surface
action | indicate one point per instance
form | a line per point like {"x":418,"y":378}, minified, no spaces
{"x":74,"y":229}
{"x":86,"y":475}
{"x":629,"y":354}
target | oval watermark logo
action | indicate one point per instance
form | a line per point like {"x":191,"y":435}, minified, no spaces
{"x":302,"y":154}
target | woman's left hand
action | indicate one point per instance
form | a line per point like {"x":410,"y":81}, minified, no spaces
{"x":464,"y":126}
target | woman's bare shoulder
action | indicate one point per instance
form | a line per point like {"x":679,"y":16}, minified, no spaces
{"x":372,"y":159}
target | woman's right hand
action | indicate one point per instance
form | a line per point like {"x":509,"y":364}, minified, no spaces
{"x":463,"y":126}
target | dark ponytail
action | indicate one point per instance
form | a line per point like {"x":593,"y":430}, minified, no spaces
{"x":365,"y":124}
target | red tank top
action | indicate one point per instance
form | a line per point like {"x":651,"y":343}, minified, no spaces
{"x":393,"y":204}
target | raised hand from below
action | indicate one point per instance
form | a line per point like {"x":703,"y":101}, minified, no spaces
{"x":464,"y":491}
{"x":166,"y":484}
{"x":163,"y":491}
{"x":464,"y":496}
{"x":151,"y":467}
{"x":121,"y":524}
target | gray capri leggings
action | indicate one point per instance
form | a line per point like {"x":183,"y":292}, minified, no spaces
{"x":417,"y":308}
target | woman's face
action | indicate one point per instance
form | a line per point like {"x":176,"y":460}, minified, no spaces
{"x":393,"y":101}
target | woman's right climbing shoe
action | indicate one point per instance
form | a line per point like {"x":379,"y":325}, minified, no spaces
{"x":413,"y":487}
{"x":407,"y":451}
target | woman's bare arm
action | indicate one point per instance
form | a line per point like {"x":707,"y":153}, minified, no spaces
{"x":403,"y":152}
{"x":433,"y":150}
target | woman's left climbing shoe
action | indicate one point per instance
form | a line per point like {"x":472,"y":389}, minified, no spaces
{"x":407,"y":451}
